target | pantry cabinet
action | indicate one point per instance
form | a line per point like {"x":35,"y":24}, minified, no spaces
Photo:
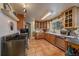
{"x":71,"y":17}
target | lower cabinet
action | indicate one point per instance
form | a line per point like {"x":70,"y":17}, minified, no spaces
{"x":61,"y":43}
{"x":56,"y":41}
{"x":39,"y":35}
{"x":52,"y":39}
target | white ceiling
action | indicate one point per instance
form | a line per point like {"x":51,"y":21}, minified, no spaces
{"x":38,"y":10}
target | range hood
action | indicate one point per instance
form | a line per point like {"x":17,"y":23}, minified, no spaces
{"x":10,"y":14}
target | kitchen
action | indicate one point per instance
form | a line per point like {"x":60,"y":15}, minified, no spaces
{"x":48,"y":29}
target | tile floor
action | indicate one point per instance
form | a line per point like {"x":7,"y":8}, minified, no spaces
{"x":43,"y":48}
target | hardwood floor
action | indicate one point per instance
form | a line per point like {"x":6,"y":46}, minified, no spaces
{"x":43,"y":48}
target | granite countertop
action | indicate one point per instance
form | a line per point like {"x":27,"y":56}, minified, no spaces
{"x":71,"y":39}
{"x":61,"y":35}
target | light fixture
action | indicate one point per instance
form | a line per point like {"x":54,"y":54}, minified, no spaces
{"x":25,"y":10}
{"x":48,"y":14}
{"x":9,"y":21}
{"x":24,"y":5}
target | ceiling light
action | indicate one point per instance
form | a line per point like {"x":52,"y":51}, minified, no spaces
{"x":48,"y":14}
{"x":24,"y":5}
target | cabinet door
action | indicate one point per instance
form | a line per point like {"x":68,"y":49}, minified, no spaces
{"x":45,"y":25}
{"x":68,"y":19}
{"x":71,"y":17}
{"x":52,"y":39}
{"x":60,"y":43}
{"x":36,"y":25}
{"x":46,"y":36}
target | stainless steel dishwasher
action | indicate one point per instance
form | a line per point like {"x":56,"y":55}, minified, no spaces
{"x":16,"y":47}
{"x":13,"y":46}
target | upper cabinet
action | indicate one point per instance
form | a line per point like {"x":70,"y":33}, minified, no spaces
{"x":71,"y":18}
{"x":42,"y":24}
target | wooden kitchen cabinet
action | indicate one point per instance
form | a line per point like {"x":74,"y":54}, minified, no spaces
{"x":40,"y":35}
{"x":56,"y":41}
{"x":21,"y":22}
{"x":46,"y":36}
{"x":45,"y":25}
{"x":50,"y":38}
{"x":71,"y":19}
{"x":61,"y":43}
{"x":42,"y":24}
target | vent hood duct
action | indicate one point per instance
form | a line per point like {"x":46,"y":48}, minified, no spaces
{"x":10,"y":14}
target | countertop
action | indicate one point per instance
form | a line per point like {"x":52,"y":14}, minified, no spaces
{"x":72,"y":39}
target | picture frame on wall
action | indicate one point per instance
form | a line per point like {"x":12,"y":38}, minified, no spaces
{"x":11,"y":26}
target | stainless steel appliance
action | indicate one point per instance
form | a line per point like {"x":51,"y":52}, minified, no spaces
{"x":13,"y":45}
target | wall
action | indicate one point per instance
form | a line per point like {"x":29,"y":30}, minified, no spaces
{"x":77,"y":31}
{"x":0,"y":38}
{"x":4,"y":25}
